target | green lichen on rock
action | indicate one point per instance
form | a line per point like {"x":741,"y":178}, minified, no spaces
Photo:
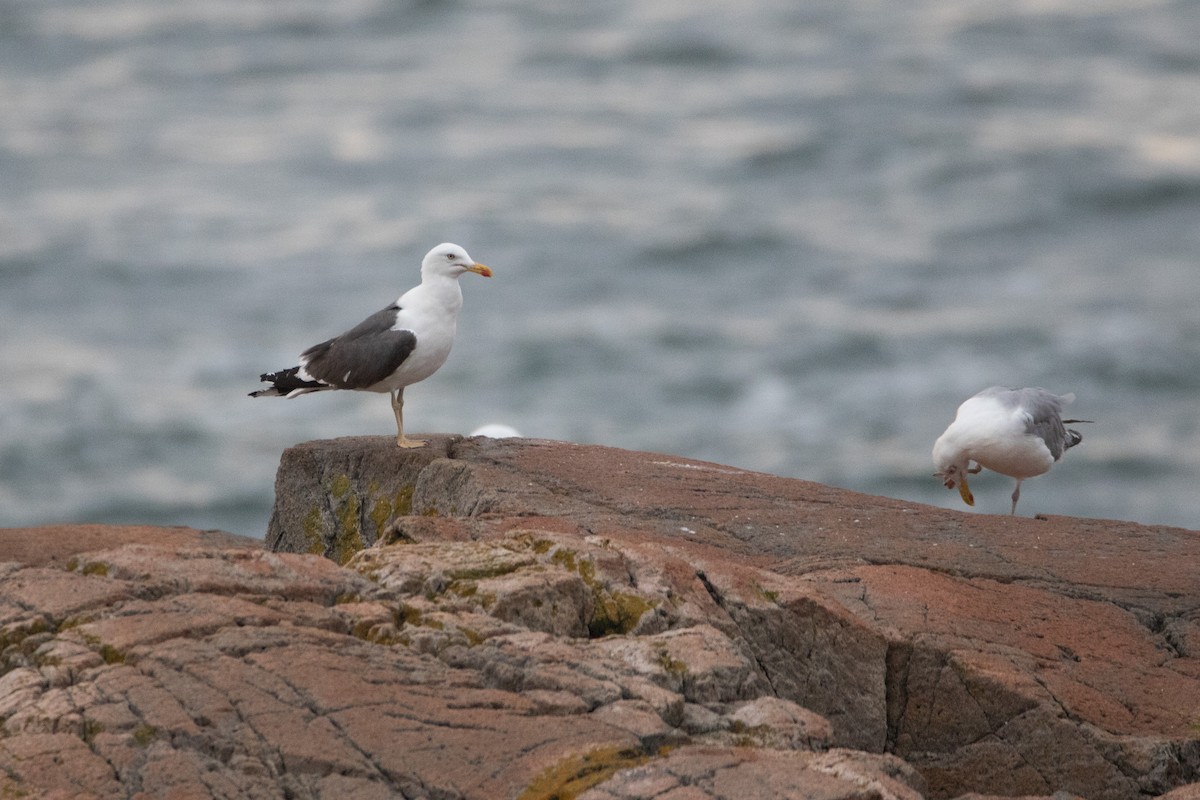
{"x":384,"y":507}
{"x":347,"y":514}
{"x":108,"y":653}
{"x":339,"y":486}
{"x":769,"y":595}
{"x":75,"y":620}
{"x":24,"y":638}
{"x":613,"y":612}
{"x":573,"y":776}
{"x":21,"y":631}
{"x":541,"y":546}
{"x":488,"y":569}
{"x":381,"y":513}
{"x":95,"y":568}
{"x":617,"y":614}
{"x":144,"y":735}
{"x":111,"y":655}
{"x":346,"y":544}
{"x":385,"y":633}
{"x":473,"y":636}
{"x":402,"y":505}
{"x":566,"y":558}
{"x":347,"y":535}
{"x":407,"y":615}
{"x":671,"y":665}
{"x":357,"y":516}
{"x":314,"y":532}
{"x":89,"y":730}
{"x":463,"y":588}
{"x":751,"y":735}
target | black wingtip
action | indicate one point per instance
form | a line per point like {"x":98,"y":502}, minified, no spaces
{"x":1073,"y":438}
{"x":284,"y":382}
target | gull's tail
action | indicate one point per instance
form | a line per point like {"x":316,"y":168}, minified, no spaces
{"x":1073,"y":437}
{"x":288,"y":383}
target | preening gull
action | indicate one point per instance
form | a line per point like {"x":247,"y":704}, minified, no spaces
{"x":1016,"y":432}
{"x":395,"y":347}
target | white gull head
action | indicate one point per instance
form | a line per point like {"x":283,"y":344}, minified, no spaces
{"x":450,"y":260}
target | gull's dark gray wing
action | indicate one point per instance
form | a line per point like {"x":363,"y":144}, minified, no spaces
{"x":362,"y":356}
{"x":1044,"y":410}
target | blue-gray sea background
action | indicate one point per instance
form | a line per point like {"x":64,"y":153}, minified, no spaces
{"x":786,"y":236}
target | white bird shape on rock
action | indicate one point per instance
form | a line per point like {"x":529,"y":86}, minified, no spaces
{"x":1016,"y":432}
{"x":497,"y":430}
{"x":396,"y":347}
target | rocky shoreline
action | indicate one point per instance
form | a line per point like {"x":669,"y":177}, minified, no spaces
{"x":531,"y":619}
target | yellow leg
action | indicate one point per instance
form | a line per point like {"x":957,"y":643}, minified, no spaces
{"x":398,"y":410}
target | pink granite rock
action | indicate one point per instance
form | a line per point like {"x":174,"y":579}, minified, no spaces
{"x":996,"y":654}
{"x":192,"y":672}
{"x":542,"y":619}
{"x":705,"y":773}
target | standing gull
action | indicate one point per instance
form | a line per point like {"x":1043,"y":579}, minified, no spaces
{"x":1016,"y":432}
{"x":396,"y":347}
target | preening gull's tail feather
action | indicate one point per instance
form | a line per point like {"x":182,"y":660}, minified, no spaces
{"x":1074,"y":437}
{"x":288,"y":383}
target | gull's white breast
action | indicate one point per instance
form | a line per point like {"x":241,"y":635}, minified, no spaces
{"x":431,"y":313}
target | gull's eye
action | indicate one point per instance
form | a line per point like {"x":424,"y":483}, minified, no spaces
{"x":450,"y":256}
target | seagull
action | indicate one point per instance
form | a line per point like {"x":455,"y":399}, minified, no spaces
{"x":404,"y":343}
{"x":1016,"y":432}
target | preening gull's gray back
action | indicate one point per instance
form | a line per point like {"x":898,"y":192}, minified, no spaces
{"x":1045,"y":415}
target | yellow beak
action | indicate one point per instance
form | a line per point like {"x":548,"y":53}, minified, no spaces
{"x":964,"y":491}
{"x":480,"y":269}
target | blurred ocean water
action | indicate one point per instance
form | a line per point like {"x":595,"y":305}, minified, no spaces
{"x":790,"y":237}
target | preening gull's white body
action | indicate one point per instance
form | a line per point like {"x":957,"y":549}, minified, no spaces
{"x":404,"y":343}
{"x":1016,"y":432}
